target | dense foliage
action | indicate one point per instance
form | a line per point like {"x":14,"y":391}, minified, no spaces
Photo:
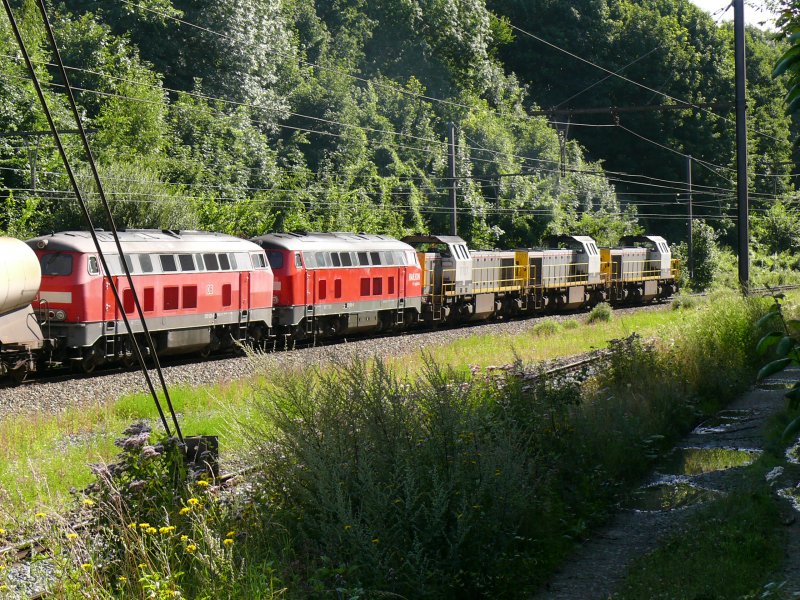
{"x":263,"y":115}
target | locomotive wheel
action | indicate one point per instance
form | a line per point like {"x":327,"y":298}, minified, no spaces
{"x":129,"y":362}
{"x":88,"y":365}
{"x":19,"y":374}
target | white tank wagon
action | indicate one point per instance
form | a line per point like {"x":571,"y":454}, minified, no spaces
{"x":20,"y":334}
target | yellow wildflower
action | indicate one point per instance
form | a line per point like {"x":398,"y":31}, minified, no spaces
{"x":72,"y":536}
{"x":88,"y":502}
{"x":2,"y":531}
{"x":376,"y":540}
{"x":230,"y":534}
{"x":166,"y":530}
{"x":144,"y":525}
{"x":348,"y":527}
{"x":151,"y":530}
{"x":131,"y":525}
{"x":40,"y":515}
{"x":202,"y":483}
{"x":122,"y":578}
{"x":2,"y":568}
{"x":3,"y":588}
{"x":142,"y":566}
{"x":185,"y":510}
{"x":193,"y":501}
{"x":228,"y":542}
{"x":184,"y":538}
{"x":86,"y":566}
{"x":191,"y":548}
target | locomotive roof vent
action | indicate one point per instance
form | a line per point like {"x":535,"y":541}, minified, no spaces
{"x":172,"y":232}
{"x":41,"y":244}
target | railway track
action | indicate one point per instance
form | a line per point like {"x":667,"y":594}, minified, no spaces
{"x":64,"y":374}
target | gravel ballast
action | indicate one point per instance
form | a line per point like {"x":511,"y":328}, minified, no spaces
{"x":63,"y":393}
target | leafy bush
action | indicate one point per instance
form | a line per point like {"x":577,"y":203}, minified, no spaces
{"x":602,"y":312}
{"x":425,"y":489}
{"x":684,"y":301}
{"x":570,"y":324}
{"x":545,"y":328}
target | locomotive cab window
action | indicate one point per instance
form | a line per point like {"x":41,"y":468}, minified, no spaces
{"x":337,"y":262}
{"x":311,"y":261}
{"x":346,"y":260}
{"x":92,"y":267}
{"x":242,"y":261}
{"x":297,"y":261}
{"x":56,"y":264}
{"x":224,"y":262}
{"x":275,"y":259}
{"x":259,"y":261}
{"x":363,"y":259}
{"x":376,"y":258}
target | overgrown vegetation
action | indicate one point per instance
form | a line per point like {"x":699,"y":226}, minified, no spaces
{"x":446,"y":484}
{"x":255,"y":116}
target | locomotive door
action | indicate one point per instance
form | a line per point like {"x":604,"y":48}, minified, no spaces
{"x":401,"y":293}
{"x":111,"y":314}
{"x":311,"y":286}
{"x":244,"y":303}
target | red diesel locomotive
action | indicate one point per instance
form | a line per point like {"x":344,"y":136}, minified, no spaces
{"x":199,"y":292}
{"x":334,"y":283}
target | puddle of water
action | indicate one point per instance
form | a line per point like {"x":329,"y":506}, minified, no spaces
{"x":669,"y":494}
{"x":694,"y":461}
{"x":781,"y":384}
{"x":793,"y":453}
{"x":722,"y":421}
{"x":792,"y":494}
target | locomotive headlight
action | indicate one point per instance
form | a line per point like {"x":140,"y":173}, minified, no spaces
{"x":59,"y":315}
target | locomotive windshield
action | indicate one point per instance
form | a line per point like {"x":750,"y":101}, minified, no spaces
{"x":56,"y":264}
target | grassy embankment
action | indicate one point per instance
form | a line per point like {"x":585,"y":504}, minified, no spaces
{"x":43,"y":456}
{"x":439,"y":485}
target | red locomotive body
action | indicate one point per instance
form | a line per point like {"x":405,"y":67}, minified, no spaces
{"x":333,"y":283}
{"x":199,"y":291}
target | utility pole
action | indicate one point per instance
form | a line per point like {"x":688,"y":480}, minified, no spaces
{"x":451,"y":169}
{"x":690,"y":244}
{"x":741,"y":145}
{"x":32,"y":155}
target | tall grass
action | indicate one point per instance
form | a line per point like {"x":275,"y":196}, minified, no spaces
{"x":440,"y":484}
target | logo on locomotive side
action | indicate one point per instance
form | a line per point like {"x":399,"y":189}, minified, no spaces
{"x":413,"y":276}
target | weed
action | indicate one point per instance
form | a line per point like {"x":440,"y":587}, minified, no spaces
{"x":601,"y":312}
{"x":545,"y":328}
{"x":684,"y":301}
